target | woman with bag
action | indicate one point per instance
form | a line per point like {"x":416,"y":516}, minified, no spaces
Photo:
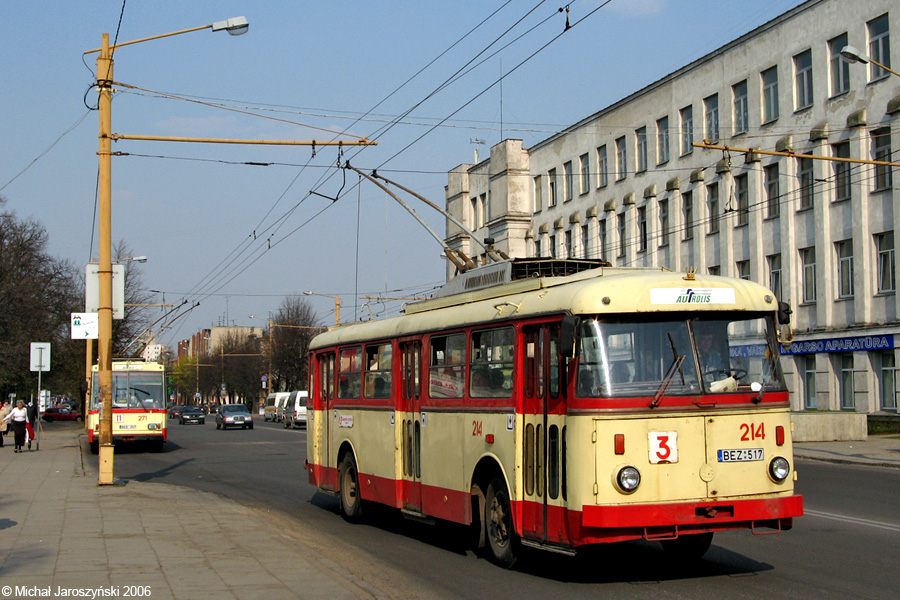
{"x":19,"y":417}
{"x":4,"y":410}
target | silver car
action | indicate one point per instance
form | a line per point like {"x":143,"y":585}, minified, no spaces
{"x":233,"y":415}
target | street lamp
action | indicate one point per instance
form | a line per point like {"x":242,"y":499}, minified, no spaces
{"x":337,"y":305}
{"x":852,"y":55}
{"x":104,"y":342}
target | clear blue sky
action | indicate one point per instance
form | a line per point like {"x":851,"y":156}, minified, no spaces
{"x":306,"y":64}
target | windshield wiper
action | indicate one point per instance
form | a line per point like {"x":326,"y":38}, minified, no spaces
{"x":667,"y":380}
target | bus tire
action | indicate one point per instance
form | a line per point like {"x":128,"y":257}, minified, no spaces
{"x":501,"y":539}
{"x":351,"y":502}
{"x":688,"y":547}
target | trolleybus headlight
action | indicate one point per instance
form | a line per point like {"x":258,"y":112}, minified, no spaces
{"x":152,"y":425}
{"x":779,"y":469}
{"x":628,"y":479}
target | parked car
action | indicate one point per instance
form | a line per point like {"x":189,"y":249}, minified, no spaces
{"x":233,"y":415}
{"x":280,"y":402}
{"x":61,"y":414}
{"x":175,"y":411}
{"x":269,"y":410}
{"x":192,"y":414}
{"x":295,"y":410}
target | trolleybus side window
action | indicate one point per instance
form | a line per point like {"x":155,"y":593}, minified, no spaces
{"x":326,"y":376}
{"x":378,"y":371}
{"x":350,"y":376}
{"x":446,"y":368}
{"x":411,"y":357}
{"x":491,"y":363}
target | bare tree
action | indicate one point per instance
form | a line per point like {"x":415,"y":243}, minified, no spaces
{"x":38,"y":293}
{"x":126,"y":332}
{"x":293,"y":329}
{"x":242,"y":366}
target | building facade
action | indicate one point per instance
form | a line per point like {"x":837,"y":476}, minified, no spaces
{"x":628,"y":185}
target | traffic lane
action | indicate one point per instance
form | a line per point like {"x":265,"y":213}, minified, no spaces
{"x":417,"y":560}
{"x":854,"y":491}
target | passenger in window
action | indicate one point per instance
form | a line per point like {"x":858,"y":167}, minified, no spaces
{"x":620,"y":373}
{"x":380,"y":390}
{"x":587,"y":387}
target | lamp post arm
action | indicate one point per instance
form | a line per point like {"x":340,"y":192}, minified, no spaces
{"x":147,"y":39}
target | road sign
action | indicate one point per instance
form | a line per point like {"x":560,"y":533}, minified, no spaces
{"x":85,"y":326}
{"x":92,"y":289}
{"x":40,"y":356}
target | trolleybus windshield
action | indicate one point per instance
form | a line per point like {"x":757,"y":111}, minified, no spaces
{"x":134,"y":389}
{"x":626,"y":357}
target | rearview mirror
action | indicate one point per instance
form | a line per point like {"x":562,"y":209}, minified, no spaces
{"x":568,"y":335}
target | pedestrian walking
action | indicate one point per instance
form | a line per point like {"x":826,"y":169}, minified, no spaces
{"x":19,"y":419}
{"x":5,"y":409}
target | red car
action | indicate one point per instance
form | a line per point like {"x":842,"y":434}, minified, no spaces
{"x":61,"y":414}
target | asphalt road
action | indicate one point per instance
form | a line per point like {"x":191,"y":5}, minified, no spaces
{"x":846,"y":546}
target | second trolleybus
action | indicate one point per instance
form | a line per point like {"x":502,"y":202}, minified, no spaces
{"x":558,"y":404}
{"x":139,"y":404}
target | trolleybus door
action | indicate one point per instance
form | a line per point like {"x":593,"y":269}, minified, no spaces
{"x":409,"y":423}
{"x":544,"y":390}
{"x":323,"y":404}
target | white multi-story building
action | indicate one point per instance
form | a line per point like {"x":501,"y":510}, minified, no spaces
{"x":627,"y":185}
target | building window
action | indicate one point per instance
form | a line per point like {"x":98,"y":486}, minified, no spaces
{"x":743,"y":199}
{"x":584,"y":163}
{"x":664,"y":222}
{"x":474,"y":203}
{"x":879,"y":46}
{"x":568,"y":243}
{"x":848,"y":402}
{"x":884,"y":245}
{"x":803,"y":80}
{"x":688,"y":206}
{"x":711,"y":116}
{"x":773,"y":196}
{"x":537,"y":248}
{"x":743,"y":269}
{"x":888,"y":381}
{"x":551,"y":178}
{"x":537,"y":194}
{"x":602,"y":233}
{"x":770,"y":94}
{"x":881,"y":150}
{"x":585,"y":241}
{"x":642,"y":228}
{"x":774,"y":262}
{"x":845,"y":268}
{"x":714,"y":270}
{"x":712,"y":201}
{"x":621,"y":159}
{"x":620,"y":225}
{"x":807,"y":365}
{"x":602,"y":166}
{"x":841,"y":171}
{"x":484,"y":213}
{"x":641,"y":140}
{"x":687,"y":130}
{"x":552,"y":248}
{"x":569,"y":180}
{"x":805,"y":177}
{"x":741,"y":114}
{"x":840,"y":68}
{"x":662,"y":140}
{"x":808,"y":262}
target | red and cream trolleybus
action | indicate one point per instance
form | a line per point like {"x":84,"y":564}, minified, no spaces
{"x":558,"y":404}
{"x":139,"y":404}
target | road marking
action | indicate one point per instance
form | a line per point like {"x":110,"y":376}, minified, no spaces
{"x":866,"y":522}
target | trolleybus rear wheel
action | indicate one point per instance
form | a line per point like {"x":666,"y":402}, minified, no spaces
{"x":351,"y":502}
{"x":688,"y":547}
{"x":498,"y":525}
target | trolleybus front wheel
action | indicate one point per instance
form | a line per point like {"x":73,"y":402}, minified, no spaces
{"x":498,"y":525}
{"x":351,"y":502}
{"x":688,"y":547}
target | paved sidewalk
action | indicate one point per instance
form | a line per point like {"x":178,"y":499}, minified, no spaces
{"x":58,"y":528}
{"x":877,"y":450}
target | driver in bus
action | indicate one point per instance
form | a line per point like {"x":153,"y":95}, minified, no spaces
{"x":714,"y":362}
